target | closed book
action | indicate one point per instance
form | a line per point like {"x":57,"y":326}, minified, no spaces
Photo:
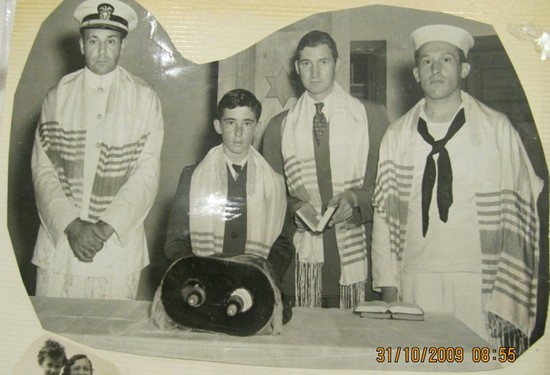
{"x":394,"y":310}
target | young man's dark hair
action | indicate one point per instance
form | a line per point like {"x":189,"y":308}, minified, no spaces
{"x":313,"y":39}
{"x":239,"y":98}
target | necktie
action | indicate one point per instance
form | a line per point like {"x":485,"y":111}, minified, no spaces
{"x":236,"y":194}
{"x":319,"y":122}
{"x":444,"y":171}
{"x":237,"y":168}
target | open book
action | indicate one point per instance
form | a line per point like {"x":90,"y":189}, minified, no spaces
{"x":394,"y":310}
{"x":314,"y":221}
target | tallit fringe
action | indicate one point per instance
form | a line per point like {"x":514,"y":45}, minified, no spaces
{"x":504,"y":334}
{"x":308,"y":284}
{"x":350,"y":295}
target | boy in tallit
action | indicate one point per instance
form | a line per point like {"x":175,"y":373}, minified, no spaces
{"x":472,"y":249}
{"x":232,"y":202}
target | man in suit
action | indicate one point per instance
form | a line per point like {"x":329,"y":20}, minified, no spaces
{"x":327,"y":147}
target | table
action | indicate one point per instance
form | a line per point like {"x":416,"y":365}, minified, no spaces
{"x":314,"y":338}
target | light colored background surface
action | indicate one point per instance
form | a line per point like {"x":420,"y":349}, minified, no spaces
{"x":210,"y":30}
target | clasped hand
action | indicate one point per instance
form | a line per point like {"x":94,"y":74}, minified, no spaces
{"x":87,"y":239}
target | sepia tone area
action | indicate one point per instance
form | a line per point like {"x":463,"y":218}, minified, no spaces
{"x":377,"y":66}
{"x":187,"y":93}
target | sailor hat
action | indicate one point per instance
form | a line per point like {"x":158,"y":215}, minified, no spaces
{"x":106,"y":14}
{"x":443,"y":33}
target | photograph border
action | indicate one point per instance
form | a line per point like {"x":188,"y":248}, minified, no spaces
{"x":20,"y":323}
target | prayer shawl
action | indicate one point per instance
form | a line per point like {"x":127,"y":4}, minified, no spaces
{"x":265,"y":203}
{"x":506,"y":194}
{"x":133,"y":113}
{"x":349,"y":145}
{"x":64,"y":141}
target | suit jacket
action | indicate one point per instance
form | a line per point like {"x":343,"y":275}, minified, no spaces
{"x":178,"y":240}
{"x":271,"y":150}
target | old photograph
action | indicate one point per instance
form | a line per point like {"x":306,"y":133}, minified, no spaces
{"x":53,"y":355}
{"x":364,"y":189}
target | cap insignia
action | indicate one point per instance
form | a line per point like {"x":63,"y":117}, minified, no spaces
{"x":105,"y":11}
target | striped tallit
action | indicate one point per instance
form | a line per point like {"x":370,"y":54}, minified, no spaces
{"x":506,"y":193}
{"x":349,"y":143}
{"x":97,"y":156}
{"x":64,"y":140}
{"x":265,"y":202}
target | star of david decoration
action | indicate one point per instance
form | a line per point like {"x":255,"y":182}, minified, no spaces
{"x":280,"y":87}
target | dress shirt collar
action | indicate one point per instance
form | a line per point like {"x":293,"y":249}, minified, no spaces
{"x":230,"y":163}
{"x":326,"y":104}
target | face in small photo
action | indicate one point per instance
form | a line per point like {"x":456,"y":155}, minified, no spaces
{"x":51,"y":357}
{"x":52,"y":366}
{"x":79,"y":364}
